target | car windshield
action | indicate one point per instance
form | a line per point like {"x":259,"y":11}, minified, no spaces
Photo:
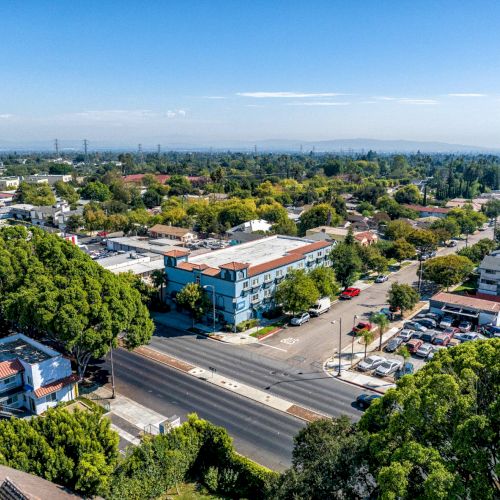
{"x":386,"y":364}
{"x":370,"y":361}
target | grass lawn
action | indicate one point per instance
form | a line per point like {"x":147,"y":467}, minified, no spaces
{"x":263,"y":331}
{"x":469,"y":286}
{"x":188,"y":491}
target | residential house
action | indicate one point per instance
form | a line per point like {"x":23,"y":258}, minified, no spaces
{"x":429,"y":211}
{"x":322,"y":233}
{"x":10,"y":183}
{"x":248,"y":231}
{"x":489,"y":274}
{"x":33,"y":376}
{"x":180,"y":235}
{"x":47,"y":178}
{"x":244,"y":277}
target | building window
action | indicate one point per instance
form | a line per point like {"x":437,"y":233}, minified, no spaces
{"x":279,"y":273}
{"x":51,"y":397}
{"x":11,"y":400}
{"x":245,"y":285}
{"x":255,"y":281}
{"x":289,"y":268}
{"x":320,"y":253}
{"x":301,"y":265}
{"x":9,"y":380}
{"x":267,"y":293}
{"x":310,"y":257}
{"x":267,"y":277}
{"x":255,"y":297}
{"x":490,"y":271}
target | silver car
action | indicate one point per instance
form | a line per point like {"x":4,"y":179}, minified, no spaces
{"x":387,"y":368}
{"x":370,"y":363}
{"x":424,"y":350}
{"x":300,"y":319}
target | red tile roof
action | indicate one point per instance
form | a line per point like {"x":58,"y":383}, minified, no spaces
{"x":234,"y":266}
{"x":211,"y":271}
{"x":317,"y":245}
{"x":55,"y":386}
{"x":10,"y":367}
{"x":420,"y":208}
{"x":169,"y":230}
{"x":189,"y":266}
{"x":366,"y":234}
{"x":273,"y":264}
{"x":467,"y":301}
{"x":176,"y":253}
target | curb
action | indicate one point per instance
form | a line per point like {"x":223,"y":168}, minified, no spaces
{"x":294,"y":410}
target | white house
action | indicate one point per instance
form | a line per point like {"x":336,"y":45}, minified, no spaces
{"x":33,"y":376}
{"x":489,"y":270}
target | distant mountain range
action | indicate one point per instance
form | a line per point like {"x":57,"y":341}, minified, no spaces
{"x":271,"y":145}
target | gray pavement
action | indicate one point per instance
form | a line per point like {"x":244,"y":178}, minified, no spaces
{"x":259,"y":432}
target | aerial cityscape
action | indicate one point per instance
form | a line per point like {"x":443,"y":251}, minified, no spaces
{"x":249,"y":250}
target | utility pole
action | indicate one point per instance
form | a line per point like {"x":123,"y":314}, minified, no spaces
{"x":158,"y":152}
{"x":339,"y":374}
{"x":141,"y":155}
{"x":113,"y":393}
{"x":86,"y":150}
{"x":56,"y":146}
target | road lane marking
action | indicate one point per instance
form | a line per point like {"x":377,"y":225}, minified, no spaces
{"x":273,"y":347}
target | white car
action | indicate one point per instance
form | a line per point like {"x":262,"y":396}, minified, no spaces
{"x":387,"y":368}
{"x":370,"y":363}
{"x":424,"y":350}
{"x":446,"y":322}
{"x":300,"y":319}
{"x":468,"y":336}
{"x":406,"y":334}
{"x":381,"y":278}
{"x":413,"y":325}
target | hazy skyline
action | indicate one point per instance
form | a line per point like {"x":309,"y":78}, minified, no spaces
{"x":122,"y":72}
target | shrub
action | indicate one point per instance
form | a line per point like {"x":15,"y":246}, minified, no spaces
{"x":247,"y":324}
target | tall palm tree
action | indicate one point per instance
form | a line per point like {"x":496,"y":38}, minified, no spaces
{"x":159,"y":279}
{"x":368,"y":337}
{"x":382,"y":322}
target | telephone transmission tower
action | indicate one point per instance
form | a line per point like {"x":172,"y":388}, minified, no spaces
{"x":86,"y":150}
{"x":141,"y":154}
{"x":56,"y":146}
{"x":159,"y":153}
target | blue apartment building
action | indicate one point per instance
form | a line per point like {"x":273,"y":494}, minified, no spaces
{"x":244,"y":276}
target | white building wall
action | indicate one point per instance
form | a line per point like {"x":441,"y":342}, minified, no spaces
{"x":65,"y":394}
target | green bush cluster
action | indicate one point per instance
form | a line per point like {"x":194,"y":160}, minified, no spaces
{"x":245,"y":325}
{"x":197,"y":450}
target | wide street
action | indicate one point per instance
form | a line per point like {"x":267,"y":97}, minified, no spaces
{"x":259,"y":432}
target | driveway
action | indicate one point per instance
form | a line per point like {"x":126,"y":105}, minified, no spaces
{"x":315,"y":341}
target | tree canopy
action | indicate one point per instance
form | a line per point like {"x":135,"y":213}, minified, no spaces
{"x":402,"y":296}
{"x":297,"y":292}
{"x":447,"y":270}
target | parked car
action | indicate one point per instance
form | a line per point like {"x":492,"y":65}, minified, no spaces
{"x":322,"y":306}
{"x":442,"y":339}
{"x":365,"y":400}
{"x":453,"y":342}
{"x":451,"y":331}
{"x":424,"y":350}
{"x":428,"y":336}
{"x":446,"y":322}
{"x":393,"y":344}
{"x":300,"y":319}
{"x":407,"y":369}
{"x":434,"y":351}
{"x":362,"y":325}
{"x":436,"y":317}
{"x":468,"y":336}
{"x":387,"y":368}
{"x":427,"y":322}
{"x":413,"y":325}
{"x":381,"y":278}
{"x":349,"y":293}
{"x":405,"y":334}
{"x":390,"y":312}
{"x":490,"y":331}
{"x":414,"y":345}
{"x":465,"y":326}
{"x":370,"y":363}
{"x":451,"y":243}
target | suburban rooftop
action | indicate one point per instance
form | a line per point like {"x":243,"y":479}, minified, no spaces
{"x":252,"y":253}
{"x":20,"y":347}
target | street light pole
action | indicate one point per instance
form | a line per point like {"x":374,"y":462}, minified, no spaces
{"x":113,"y":394}
{"x":339,"y":374}
{"x":213,"y":303}
{"x":353,"y":335}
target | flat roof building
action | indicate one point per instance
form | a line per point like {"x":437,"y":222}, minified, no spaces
{"x":141,"y":244}
{"x":244,"y":276}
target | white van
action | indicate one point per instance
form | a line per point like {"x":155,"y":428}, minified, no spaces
{"x":322,"y":306}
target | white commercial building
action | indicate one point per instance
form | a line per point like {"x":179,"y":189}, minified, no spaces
{"x":489,"y":271}
{"x":33,"y":376}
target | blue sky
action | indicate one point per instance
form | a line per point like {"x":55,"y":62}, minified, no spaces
{"x":122,"y":72}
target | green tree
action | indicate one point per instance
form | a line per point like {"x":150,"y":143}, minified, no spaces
{"x":447,"y":270}
{"x":492,"y":210}
{"x":96,"y":191}
{"x":35,"y":194}
{"x":345,"y":263}
{"x":446,"y":225}
{"x":468,"y":220}
{"x":324,"y":279}
{"x":322,"y":214}
{"x":408,"y":194}
{"x":77,"y":450}
{"x":402,"y":250}
{"x":194,"y":299}
{"x":402,"y":296}
{"x":477,"y":252}
{"x":382,"y":322}
{"x":297,"y":292}
{"x":367,"y":335}
{"x":398,"y":229}
{"x":179,"y":185}
{"x":66,"y":192}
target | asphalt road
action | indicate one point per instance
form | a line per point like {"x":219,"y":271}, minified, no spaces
{"x":259,"y":432}
{"x":305,"y":384}
{"x":313,"y":342}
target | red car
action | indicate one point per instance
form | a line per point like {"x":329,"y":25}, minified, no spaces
{"x":414,"y":345}
{"x":349,"y":293}
{"x":441,"y":339}
{"x":362,"y":325}
{"x":451,"y":331}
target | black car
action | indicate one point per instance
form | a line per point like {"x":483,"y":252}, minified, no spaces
{"x":393,"y":344}
{"x":365,"y":400}
{"x":428,"y":337}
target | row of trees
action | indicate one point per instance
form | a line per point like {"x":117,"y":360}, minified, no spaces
{"x":50,"y":289}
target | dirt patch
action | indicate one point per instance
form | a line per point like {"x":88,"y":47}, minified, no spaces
{"x":305,"y":414}
{"x":164,"y":358}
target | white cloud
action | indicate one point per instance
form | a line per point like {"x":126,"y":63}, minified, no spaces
{"x":271,"y":95}
{"x":466,"y":94}
{"x":5,"y":116}
{"x":318,"y":103}
{"x":173,"y":113}
{"x":214,"y":97}
{"x":407,"y":100}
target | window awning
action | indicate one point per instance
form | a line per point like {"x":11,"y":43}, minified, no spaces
{"x":460,"y":311}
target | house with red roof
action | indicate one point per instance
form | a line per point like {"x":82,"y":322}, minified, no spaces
{"x":33,"y":377}
{"x":244,"y":277}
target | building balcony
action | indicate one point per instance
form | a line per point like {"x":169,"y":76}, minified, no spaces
{"x":256,"y":301}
